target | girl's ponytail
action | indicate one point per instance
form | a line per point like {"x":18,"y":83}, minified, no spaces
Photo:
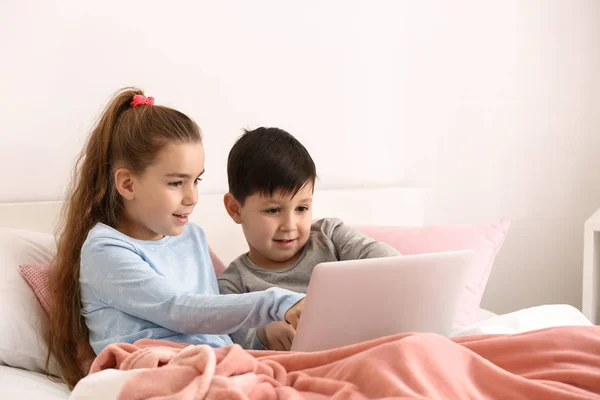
{"x":130,"y":133}
{"x":91,"y":200}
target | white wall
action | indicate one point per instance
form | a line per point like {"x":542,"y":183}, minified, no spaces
{"x":492,"y":105}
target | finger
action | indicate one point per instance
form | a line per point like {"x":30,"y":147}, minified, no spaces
{"x":294,"y":320}
{"x":275,"y":345}
{"x":290,"y":316}
{"x":288,"y":341}
{"x":281,"y":345}
{"x":290,"y":333}
{"x":285,"y":340}
{"x":294,"y":313}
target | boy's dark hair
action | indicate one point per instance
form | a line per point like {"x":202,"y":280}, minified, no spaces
{"x":268,"y":160}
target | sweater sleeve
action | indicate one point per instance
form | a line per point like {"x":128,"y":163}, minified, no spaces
{"x":230,"y":282}
{"x":351,"y":244}
{"x":131,"y":285}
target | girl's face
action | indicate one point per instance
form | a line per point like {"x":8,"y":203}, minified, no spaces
{"x":159,"y":201}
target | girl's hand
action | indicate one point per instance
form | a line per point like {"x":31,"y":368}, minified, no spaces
{"x":293,"y":314}
{"x":277,"y":336}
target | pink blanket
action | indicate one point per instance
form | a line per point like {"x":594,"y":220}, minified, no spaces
{"x":556,"y":363}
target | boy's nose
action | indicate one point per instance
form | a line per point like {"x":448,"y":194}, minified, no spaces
{"x":288,"y":224}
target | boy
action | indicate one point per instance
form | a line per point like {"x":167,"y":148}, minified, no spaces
{"x":271,"y":182}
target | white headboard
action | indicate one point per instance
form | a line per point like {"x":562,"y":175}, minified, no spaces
{"x":383,"y":206}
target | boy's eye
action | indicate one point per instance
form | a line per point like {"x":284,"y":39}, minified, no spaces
{"x":272,"y":210}
{"x":175,"y":184}
{"x":302,"y":209}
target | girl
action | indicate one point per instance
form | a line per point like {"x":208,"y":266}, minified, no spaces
{"x":128,"y":264}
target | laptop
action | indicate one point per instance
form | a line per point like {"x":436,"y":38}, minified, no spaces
{"x":349,"y":302}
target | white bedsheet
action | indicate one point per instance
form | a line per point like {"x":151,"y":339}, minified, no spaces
{"x":528,"y":319}
{"x":19,"y":384}
{"x":106,"y":385}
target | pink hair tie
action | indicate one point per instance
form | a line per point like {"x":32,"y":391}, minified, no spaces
{"x":141,"y":100}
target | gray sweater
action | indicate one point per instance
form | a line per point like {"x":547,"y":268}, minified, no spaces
{"x":330,"y":240}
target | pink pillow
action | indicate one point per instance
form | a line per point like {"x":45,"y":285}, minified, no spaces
{"x":484,"y":239}
{"x":217,"y":263}
{"x":38,"y":277}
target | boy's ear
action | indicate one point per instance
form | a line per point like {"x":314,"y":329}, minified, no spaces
{"x":124,"y":183}
{"x":233,"y":207}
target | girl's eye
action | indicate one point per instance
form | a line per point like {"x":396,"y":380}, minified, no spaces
{"x":197,"y":181}
{"x":175,"y":184}
{"x":272,"y":210}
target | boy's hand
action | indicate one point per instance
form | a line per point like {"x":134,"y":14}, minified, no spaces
{"x":277,"y":336}
{"x":293,"y":314}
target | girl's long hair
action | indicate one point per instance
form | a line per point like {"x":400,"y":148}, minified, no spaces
{"x":124,"y":136}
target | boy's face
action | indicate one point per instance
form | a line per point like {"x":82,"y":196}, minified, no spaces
{"x":276,"y":227}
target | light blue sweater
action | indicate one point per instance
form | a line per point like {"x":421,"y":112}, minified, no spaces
{"x":165,"y":289}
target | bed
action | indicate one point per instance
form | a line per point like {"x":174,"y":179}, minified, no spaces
{"x":21,"y":345}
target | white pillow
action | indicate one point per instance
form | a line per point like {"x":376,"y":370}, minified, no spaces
{"x":22,"y":320}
